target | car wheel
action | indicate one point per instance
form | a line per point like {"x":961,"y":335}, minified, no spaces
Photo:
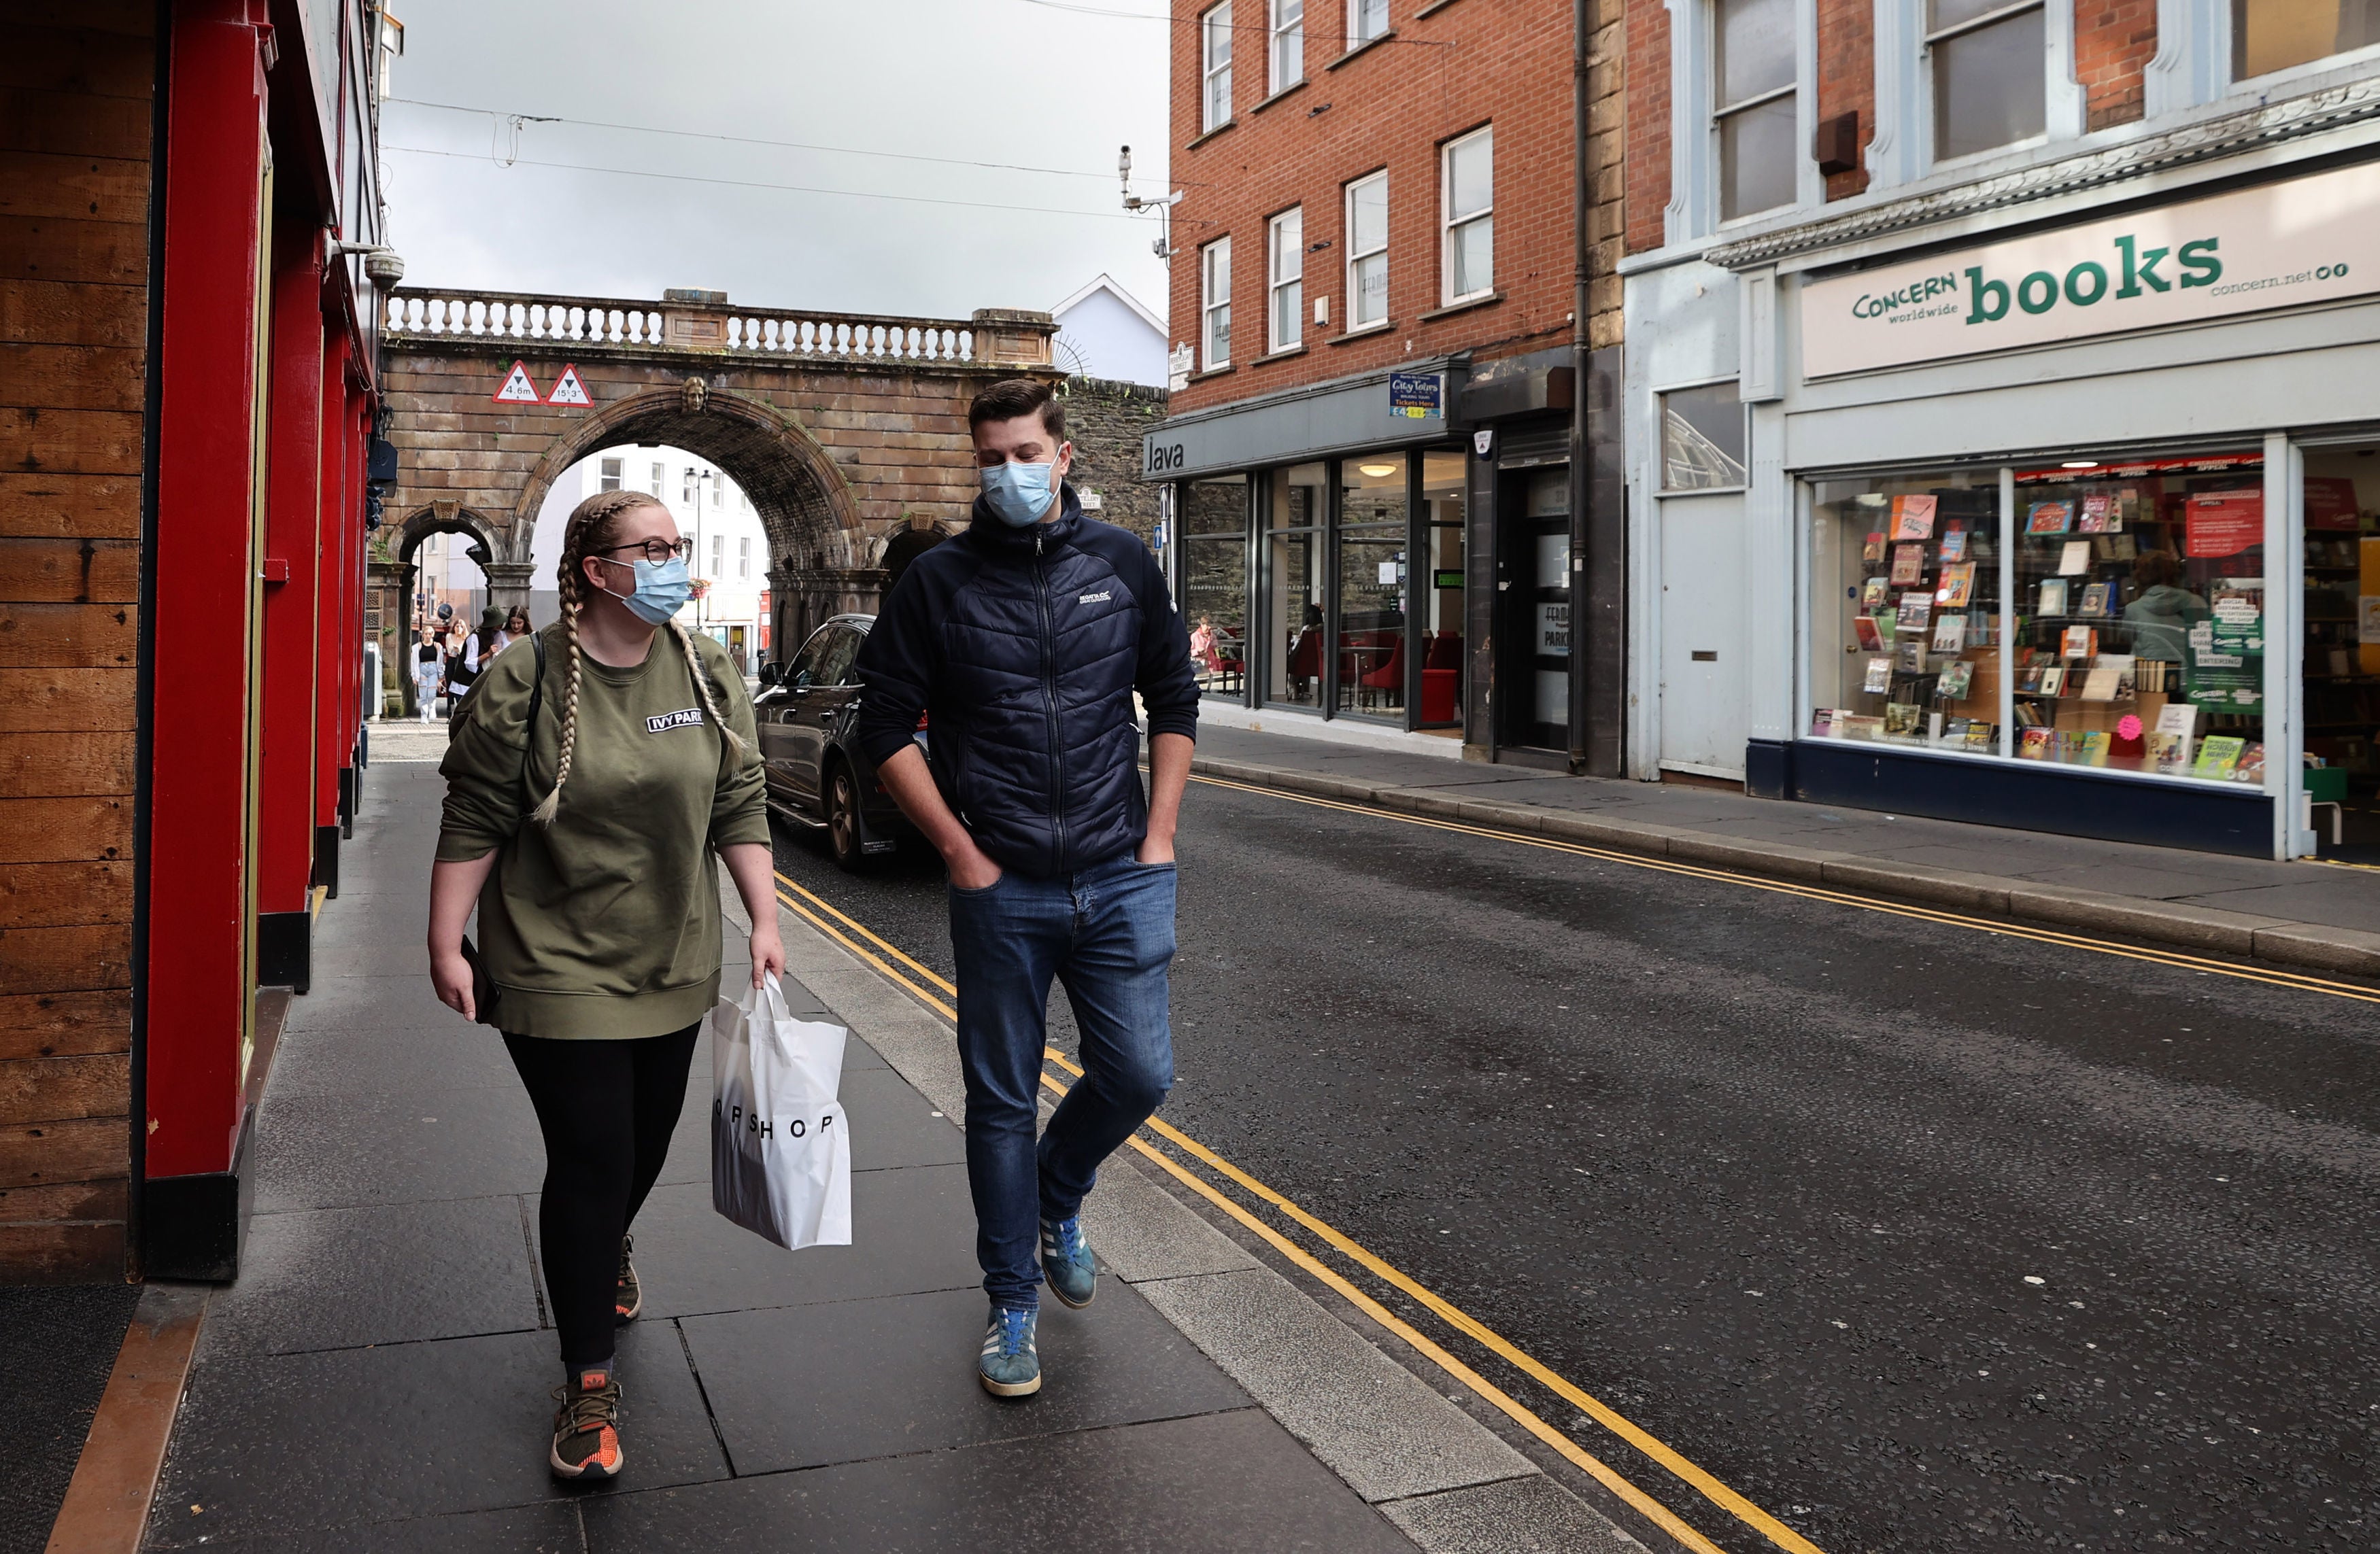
{"x":842,"y":820}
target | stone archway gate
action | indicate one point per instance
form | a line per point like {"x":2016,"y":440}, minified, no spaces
{"x":842,"y":429}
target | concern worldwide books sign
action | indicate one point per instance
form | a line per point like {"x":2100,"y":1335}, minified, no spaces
{"x":2315,"y":239}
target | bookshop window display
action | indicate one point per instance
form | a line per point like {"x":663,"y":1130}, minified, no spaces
{"x":2130,"y":637}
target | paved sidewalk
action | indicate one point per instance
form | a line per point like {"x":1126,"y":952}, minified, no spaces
{"x":378,"y":1377}
{"x":2319,"y":917}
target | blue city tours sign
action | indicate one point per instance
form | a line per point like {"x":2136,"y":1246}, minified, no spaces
{"x":1417,"y":395}
{"x":2313,"y":239}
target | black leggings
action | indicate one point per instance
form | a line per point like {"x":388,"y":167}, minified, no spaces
{"x":607,"y":1110}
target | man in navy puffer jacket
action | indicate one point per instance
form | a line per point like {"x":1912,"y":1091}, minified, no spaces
{"x":1025,"y":639}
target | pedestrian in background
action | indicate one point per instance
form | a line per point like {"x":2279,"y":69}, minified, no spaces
{"x":599,"y":906}
{"x":1062,"y":866}
{"x":517,"y":626}
{"x":480,"y":649}
{"x":429,"y":673}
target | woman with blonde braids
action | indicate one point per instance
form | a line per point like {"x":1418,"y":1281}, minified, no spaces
{"x":589,"y":785}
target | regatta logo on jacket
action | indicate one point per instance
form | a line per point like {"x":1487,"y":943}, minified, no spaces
{"x":667,"y":721}
{"x":1100,"y":598}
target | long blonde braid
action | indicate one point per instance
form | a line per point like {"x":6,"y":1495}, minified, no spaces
{"x":592,"y":525}
{"x":702,"y":684}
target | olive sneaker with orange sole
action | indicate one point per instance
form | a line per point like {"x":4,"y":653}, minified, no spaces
{"x":586,"y":1430}
{"x":630,"y":1297}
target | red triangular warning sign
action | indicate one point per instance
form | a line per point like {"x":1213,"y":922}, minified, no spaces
{"x":518,"y":389}
{"x":569,"y":390}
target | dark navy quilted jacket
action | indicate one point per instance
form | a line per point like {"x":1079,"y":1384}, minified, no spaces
{"x":1026,"y":646}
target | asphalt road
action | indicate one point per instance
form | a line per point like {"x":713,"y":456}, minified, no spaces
{"x":1919,"y":1237}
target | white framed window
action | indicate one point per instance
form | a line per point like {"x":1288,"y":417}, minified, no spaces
{"x":1467,"y":206}
{"x":1368,"y":251}
{"x":610,"y":474}
{"x":688,"y":490}
{"x":1285,"y":279}
{"x":1215,"y":304}
{"x":718,"y":555}
{"x":1983,"y":64}
{"x":1215,"y":65}
{"x":1366,"y":19}
{"x":2269,"y":35}
{"x":1753,"y":104}
{"x":657,"y":479}
{"x":744,"y":559}
{"x":1285,"y":31}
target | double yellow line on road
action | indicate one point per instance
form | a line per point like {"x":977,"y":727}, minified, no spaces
{"x":935,"y":991}
{"x":932,"y":990}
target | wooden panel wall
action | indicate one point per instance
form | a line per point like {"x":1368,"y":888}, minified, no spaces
{"x":76,"y":82}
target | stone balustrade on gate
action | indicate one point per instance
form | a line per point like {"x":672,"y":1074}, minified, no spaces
{"x":697,"y":322}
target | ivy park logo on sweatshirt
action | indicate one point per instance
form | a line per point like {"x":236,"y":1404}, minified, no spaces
{"x":664,"y":721}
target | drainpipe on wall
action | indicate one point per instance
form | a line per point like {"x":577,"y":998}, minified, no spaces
{"x":1582,"y":234}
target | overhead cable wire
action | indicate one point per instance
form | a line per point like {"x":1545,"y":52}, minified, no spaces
{"x":789,"y":189}
{"x":1219,"y":26}
{"x":754,"y":140}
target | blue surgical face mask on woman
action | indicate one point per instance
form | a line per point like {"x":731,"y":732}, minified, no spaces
{"x":663,"y":589}
{"x":1019,"y":493}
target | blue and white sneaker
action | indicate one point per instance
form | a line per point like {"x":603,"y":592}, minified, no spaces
{"x":1009,"y":1366}
{"x":1066,"y":1262}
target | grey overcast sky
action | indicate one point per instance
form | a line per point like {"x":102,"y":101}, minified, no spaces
{"x":1040,"y":84}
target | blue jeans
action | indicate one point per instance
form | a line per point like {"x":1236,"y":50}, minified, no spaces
{"x":1107,"y":933}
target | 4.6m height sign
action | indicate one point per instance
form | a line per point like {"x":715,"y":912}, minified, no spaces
{"x":2314,"y":239}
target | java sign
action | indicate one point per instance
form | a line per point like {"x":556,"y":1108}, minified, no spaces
{"x":2312,"y":240}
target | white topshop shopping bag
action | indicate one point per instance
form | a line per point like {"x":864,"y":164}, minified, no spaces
{"x":780,"y":1151}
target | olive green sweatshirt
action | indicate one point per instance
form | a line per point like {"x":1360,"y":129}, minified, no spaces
{"x":606,"y":923}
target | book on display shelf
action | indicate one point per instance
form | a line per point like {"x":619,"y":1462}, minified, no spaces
{"x":1873,"y":631}
{"x":1879,"y":676}
{"x":1982,"y":736}
{"x":1908,"y":565}
{"x":2053,"y":597}
{"x":1860,"y":726}
{"x":1950,"y":635}
{"x":2130,"y":744}
{"x":1909,"y":655}
{"x":2097,"y":602}
{"x":2049,"y":517}
{"x":1954,"y":542}
{"x":2102,"y":685}
{"x":2035,"y":744}
{"x":1955,"y":681}
{"x":2053,"y":679}
{"x":1913,"y":518}
{"x":2079,"y":642}
{"x":1876,"y":595}
{"x":2075,"y":559}
{"x":1957,"y":585}
{"x":1821,"y":723}
{"x":2115,"y":547}
{"x":2218,"y":756}
{"x":2168,"y":753}
{"x":1872,"y":553}
{"x":2095,"y":515}
{"x":1917,"y":613}
{"x":1900,"y":719}
{"x":2086,"y":747}
{"x":2251,"y":769}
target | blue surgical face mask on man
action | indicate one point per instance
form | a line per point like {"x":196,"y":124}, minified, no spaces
{"x":1019,"y":493}
{"x":663,"y":589}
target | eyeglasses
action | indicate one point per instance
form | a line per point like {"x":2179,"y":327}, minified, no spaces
{"x":659,"y":550}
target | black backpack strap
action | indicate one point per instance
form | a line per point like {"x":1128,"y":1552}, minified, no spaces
{"x":536,"y":705}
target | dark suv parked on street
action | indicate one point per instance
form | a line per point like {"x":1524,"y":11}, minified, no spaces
{"x":815,"y":776}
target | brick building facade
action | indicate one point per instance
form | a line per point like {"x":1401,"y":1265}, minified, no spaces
{"x":1379,"y":250}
